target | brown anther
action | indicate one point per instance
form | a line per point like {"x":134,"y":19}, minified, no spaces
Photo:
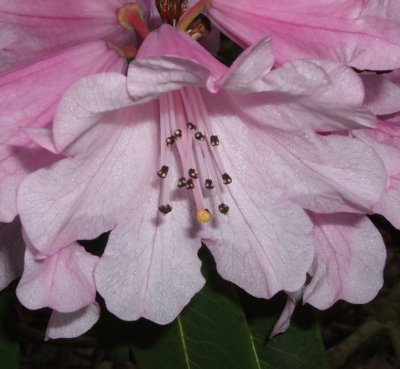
{"x":199,"y":136}
{"x":223,"y":208}
{"x":182,"y":182}
{"x":165,"y":209}
{"x":189,"y":184}
{"x":209,"y":184}
{"x":170,"y":141}
{"x":178,"y":133}
{"x":214,"y":141}
{"x":191,"y":126}
{"x":226,"y":178}
{"x":192,"y":173}
{"x":171,"y":10}
{"x":162,"y":173}
{"x":199,"y":28}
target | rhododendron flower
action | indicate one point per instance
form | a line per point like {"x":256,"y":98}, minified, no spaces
{"x":50,"y":46}
{"x":184,"y":146}
{"x":363,"y":34}
{"x":31,"y":31}
{"x":348,"y":264}
{"x":63,"y":282}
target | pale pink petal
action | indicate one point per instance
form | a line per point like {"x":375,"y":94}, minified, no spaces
{"x":264,"y":244}
{"x":16,"y":162}
{"x":150,"y":266}
{"x":382,"y":96}
{"x":42,"y":137}
{"x":82,"y":106}
{"x":168,"y":41}
{"x":31,"y":30}
{"x":349,"y":260}
{"x":389,"y":203}
{"x":69,"y":325}
{"x":107,"y":174}
{"x":247,"y":71}
{"x":29,"y":95}
{"x":283,"y":322}
{"x":63,"y":281}
{"x":12,"y":248}
{"x":152,"y":77}
{"x":388,"y":149}
{"x":362,"y":34}
{"x":112,"y":185}
{"x":313,"y":95}
{"x":329,"y":173}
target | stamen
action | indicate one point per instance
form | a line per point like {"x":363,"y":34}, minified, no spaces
{"x":178,"y":133}
{"x":182,"y":182}
{"x":170,"y":141}
{"x":200,"y":28}
{"x":191,"y":126}
{"x":192,"y":173}
{"x":193,"y":112}
{"x":226,"y":178}
{"x":209,"y":184}
{"x":223,"y":208}
{"x":189,"y":184}
{"x":203,"y":216}
{"x":214,"y":141}
{"x":162,"y":173}
{"x":192,"y":14}
{"x":199,"y":136}
{"x":199,"y":166}
{"x":171,"y":10}
{"x":165,"y":209}
{"x":131,"y":18}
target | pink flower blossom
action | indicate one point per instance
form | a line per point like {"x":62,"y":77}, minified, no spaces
{"x":63,"y":282}
{"x":50,"y":46}
{"x":249,"y":162}
{"x":349,"y":259}
{"x":363,"y":34}
{"x":31,"y":31}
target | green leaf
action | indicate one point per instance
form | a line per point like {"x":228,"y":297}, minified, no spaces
{"x":300,"y":347}
{"x":215,"y":332}
{"x":210,"y":333}
{"x":9,"y":346}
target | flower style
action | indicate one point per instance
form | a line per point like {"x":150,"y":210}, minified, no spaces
{"x":362,"y":34}
{"x":185,"y":146}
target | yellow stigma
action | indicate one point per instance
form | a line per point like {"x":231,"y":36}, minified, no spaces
{"x":203,"y":216}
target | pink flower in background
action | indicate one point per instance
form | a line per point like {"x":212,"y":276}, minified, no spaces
{"x":63,"y":282}
{"x":363,"y":34}
{"x":31,"y":31}
{"x":45,"y":47}
{"x":349,"y":258}
{"x":185,"y":143}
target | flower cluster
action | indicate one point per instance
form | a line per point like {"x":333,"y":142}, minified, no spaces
{"x":118,"y":117}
